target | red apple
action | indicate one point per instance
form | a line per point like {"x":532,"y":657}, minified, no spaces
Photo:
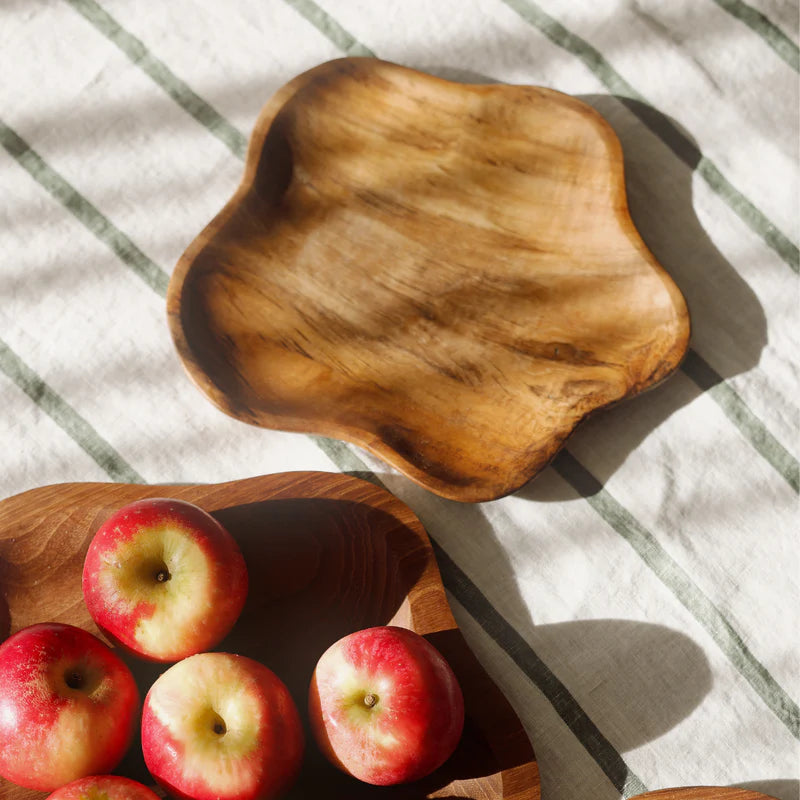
{"x":68,"y":706}
{"x":104,"y":787}
{"x":221,"y":726}
{"x":385,"y":706}
{"x":165,"y":579}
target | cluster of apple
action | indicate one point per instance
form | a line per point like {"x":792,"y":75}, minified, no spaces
{"x":166,"y":582}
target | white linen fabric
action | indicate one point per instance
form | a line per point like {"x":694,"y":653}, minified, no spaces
{"x":638,"y":601}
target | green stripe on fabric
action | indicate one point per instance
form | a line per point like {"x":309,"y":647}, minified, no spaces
{"x":746,"y":211}
{"x":737,"y":411}
{"x":80,"y":207}
{"x":766,"y":29}
{"x":672,"y":575}
{"x":755,"y":219}
{"x":330,"y":28}
{"x":345,"y":459}
{"x":180,"y":92}
{"x":506,"y":636}
{"x":66,"y":417}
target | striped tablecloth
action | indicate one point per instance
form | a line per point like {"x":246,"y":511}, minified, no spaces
{"x":638,"y":602}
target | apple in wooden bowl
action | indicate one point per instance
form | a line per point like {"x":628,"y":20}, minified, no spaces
{"x":385,"y":706}
{"x":164,"y":579}
{"x":218,"y":726}
{"x":68,"y":706}
{"x":98,"y":787}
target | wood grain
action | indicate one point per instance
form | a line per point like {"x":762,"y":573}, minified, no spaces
{"x":446,"y":275}
{"x":327,"y":554}
{"x":703,"y":793}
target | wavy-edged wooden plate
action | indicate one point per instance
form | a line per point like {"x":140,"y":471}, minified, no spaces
{"x":327,"y":554}
{"x":446,"y":275}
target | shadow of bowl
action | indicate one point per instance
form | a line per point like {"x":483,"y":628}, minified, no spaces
{"x":636,"y":680}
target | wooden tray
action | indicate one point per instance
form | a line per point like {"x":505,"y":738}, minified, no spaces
{"x":703,"y":793}
{"x":327,"y":554}
{"x":445,"y":275}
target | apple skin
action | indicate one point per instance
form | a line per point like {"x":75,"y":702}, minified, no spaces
{"x":104,"y":787}
{"x":218,"y":726}
{"x":164,"y":579}
{"x":50,"y":732}
{"x":385,"y":706}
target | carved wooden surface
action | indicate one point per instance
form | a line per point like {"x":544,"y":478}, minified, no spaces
{"x":446,"y":275}
{"x":327,"y":554}
{"x":703,"y":793}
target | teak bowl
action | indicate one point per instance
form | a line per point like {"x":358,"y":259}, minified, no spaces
{"x":327,"y":554}
{"x":446,"y":275}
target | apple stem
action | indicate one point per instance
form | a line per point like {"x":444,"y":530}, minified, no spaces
{"x":218,"y":725}
{"x":370,"y":700}
{"x":162,"y":576}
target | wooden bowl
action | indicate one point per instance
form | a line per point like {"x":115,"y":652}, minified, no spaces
{"x":446,"y":275}
{"x":327,"y":554}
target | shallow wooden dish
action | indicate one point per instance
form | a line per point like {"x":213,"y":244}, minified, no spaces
{"x":703,"y":793}
{"x":446,"y":275}
{"x":327,"y":554}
